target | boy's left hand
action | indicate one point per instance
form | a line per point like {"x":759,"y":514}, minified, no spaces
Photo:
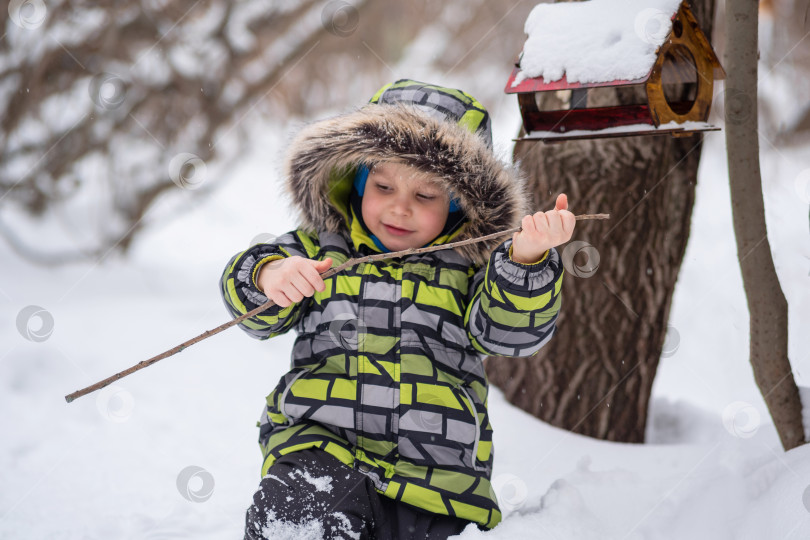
{"x":543,"y":231}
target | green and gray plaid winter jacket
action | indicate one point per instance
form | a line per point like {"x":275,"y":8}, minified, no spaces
{"x":386,"y":371}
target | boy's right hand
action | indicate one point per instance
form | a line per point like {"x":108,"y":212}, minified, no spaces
{"x":289,"y":280}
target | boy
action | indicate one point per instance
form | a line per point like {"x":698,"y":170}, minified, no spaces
{"x":380,"y":429}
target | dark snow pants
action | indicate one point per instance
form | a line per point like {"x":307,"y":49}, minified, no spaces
{"x":311,"y":494}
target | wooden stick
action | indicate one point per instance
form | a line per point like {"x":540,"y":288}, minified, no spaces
{"x":332,"y":271}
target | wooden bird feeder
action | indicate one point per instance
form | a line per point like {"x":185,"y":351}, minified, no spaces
{"x":678,"y":88}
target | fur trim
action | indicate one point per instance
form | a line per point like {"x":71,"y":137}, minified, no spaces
{"x":491,"y":193}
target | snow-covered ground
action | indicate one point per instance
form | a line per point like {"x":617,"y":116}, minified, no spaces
{"x":171,"y":452}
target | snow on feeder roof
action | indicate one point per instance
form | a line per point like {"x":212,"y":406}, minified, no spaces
{"x":577,"y":46}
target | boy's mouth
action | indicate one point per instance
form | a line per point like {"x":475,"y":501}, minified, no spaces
{"x":396,"y":230}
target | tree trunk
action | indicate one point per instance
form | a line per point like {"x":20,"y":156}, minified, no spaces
{"x":595,"y":376}
{"x":766,"y":301}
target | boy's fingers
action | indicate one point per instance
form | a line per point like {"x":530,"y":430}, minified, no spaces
{"x":293,"y":294}
{"x":315,"y":270}
{"x":326,"y":263}
{"x":555,"y":227}
{"x":292,"y":288}
{"x":528,"y":224}
{"x":541,"y":222}
{"x":562,"y":202}
{"x":302,"y":287}
{"x":569,"y":221}
{"x":313,"y":275}
{"x":280,"y":299}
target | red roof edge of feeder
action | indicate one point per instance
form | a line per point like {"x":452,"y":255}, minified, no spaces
{"x":539,"y":84}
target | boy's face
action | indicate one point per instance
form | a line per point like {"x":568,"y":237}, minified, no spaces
{"x":403,"y":207}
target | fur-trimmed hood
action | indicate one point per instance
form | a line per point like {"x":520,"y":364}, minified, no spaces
{"x":324,"y":155}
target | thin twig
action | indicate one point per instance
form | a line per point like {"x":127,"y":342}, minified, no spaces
{"x":332,"y":271}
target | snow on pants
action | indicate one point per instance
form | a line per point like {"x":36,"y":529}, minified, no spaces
{"x":310,"y":494}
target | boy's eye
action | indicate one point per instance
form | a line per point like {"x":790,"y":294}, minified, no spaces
{"x":426,"y":197}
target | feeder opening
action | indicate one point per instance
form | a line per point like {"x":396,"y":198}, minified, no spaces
{"x":679,"y":79}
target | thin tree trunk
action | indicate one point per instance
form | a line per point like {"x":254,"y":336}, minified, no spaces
{"x":595,"y":376}
{"x":766,"y":301}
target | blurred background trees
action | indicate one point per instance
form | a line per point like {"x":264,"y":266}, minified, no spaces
{"x":108,"y":106}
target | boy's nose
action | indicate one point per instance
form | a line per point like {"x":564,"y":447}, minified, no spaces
{"x":401,"y":208}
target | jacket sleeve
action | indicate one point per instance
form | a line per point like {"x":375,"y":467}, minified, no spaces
{"x":512,"y":307}
{"x":240,"y":291}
